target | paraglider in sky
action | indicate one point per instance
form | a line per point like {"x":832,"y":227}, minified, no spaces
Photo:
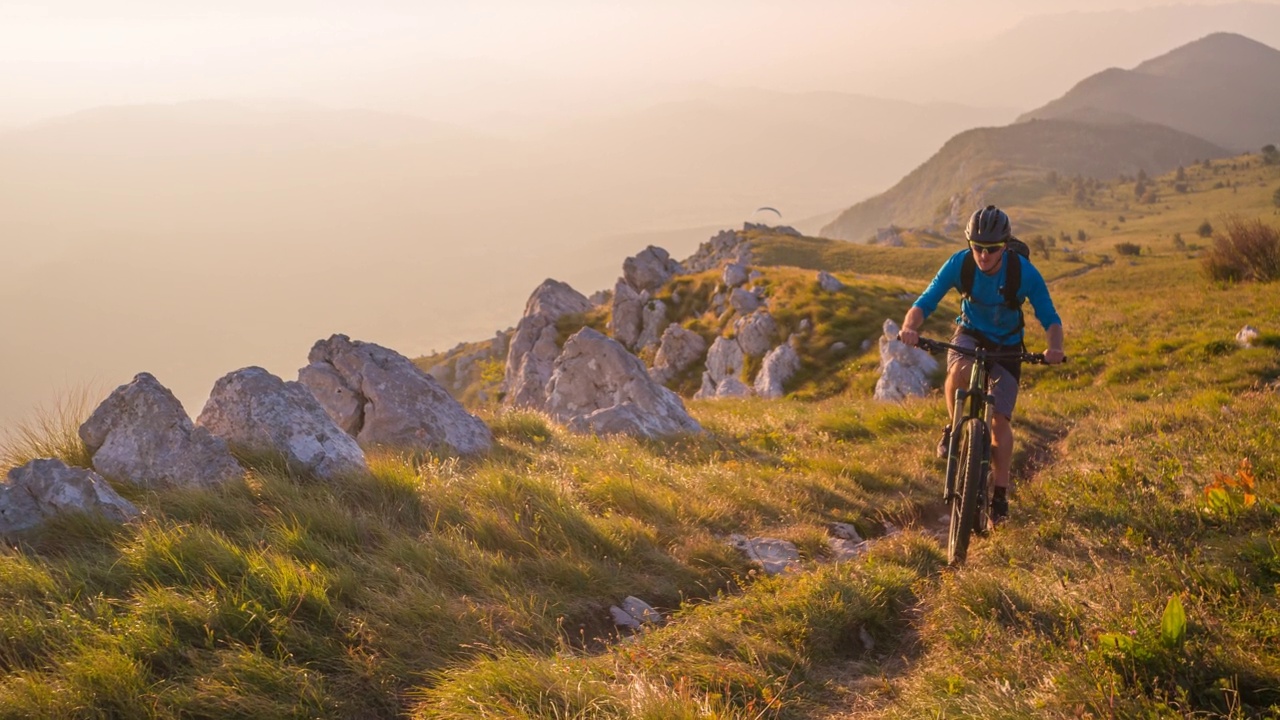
{"x":772,"y":210}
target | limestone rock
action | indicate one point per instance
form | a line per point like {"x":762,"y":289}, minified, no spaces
{"x":679,"y":349}
{"x":533,"y":349}
{"x":641,"y":610}
{"x":599,"y":387}
{"x":780,"y":365}
{"x":626,"y":319}
{"x":724,"y":359}
{"x":622,"y":619}
{"x":256,"y":412}
{"x":829,"y":282}
{"x":743,"y":301}
{"x":653,"y":322}
{"x":650,"y":269}
{"x":904,"y":371}
{"x":727,"y":246}
{"x":756,"y":333}
{"x":142,"y":434}
{"x":774,"y":555}
{"x":380,"y":397}
{"x":735,"y":274}
{"x":41,"y":489}
{"x":1247,"y":336}
{"x":732,"y":387}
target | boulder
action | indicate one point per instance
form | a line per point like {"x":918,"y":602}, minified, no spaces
{"x":735,"y":274}
{"x":743,"y":301}
{"x":829,"y":282}
{"x":727,"y":246}
{"x":257,"y":413}
{"x":1247,"y":336}
{"x":380,"y":398}
{"x":780,"y":365}
{"x":678,"y":350}
{"x":724,"y":359}
{"x":756,"y":333}
{"x":44,"y":488}
{"x":599,"y":387}
{"x":532,"y":349}
{"x":626,"y":318}
{"x":904,"y":371}
{"x":142,"y":434}
{"x":732,"y":387}
{"x":641,"y":610}
{"x":650,"y":269}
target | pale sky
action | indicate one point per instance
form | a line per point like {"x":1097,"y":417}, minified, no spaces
{"x":64,"y":55}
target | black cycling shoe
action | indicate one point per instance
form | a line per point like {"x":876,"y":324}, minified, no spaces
{"x":999,"y":509}
{"x":944,"y":445}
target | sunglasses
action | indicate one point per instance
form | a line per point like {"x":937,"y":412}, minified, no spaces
{"x":986,"y":249}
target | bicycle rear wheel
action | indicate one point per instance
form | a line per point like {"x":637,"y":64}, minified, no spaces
{"x":967,"y":501}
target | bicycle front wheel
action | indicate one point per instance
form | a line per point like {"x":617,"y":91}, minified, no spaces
{"x":967,"y":501}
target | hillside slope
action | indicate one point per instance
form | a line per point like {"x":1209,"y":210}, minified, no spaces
{"x":1221,"y":88}
{"x":1000,"y":165}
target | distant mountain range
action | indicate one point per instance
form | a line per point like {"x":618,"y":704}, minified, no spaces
{"x":1206,"y":99}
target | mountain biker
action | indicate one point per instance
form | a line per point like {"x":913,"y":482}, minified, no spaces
{"x":988,"y":320}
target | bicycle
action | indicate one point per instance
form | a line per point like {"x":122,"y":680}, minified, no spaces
{"x":969,"y":447}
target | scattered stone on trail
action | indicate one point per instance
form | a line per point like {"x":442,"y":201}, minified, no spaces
{"x":904,"y":371}
{"x":755,"y":333}
{"x":257,"y":413}
{"x":380,"y":398}
{"x":599,"y":387}
{"x":641,"y":610}
{"x":1247,"y":336}
{"x":829,"y":282}
{"x":843,"y":550}
{"x":735,"y":274}
{"x":41,"y":489}
{"x":622,"y":619}
{"x":780,"y":365}
{"x":774,"y":555}
{"x":649,"y":269}
{"x":743,"y":301}
{"x":142,"y":434}
{"x":844,"y":531}
{"x":533,"y":349}
{"x":679,"y":349}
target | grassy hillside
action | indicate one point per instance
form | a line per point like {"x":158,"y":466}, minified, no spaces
{"x":1003,"y":165}
{"x":1148,"y":469}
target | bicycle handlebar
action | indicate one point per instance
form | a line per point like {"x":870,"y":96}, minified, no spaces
{"x":934,"y":346}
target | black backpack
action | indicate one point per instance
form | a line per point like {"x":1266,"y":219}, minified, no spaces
{"x":1012,"y":275}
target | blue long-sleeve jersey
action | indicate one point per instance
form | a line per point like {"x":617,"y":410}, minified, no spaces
{"x":985,"y":310}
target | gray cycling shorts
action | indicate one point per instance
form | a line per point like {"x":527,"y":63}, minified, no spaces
{"x":1004,"y":386}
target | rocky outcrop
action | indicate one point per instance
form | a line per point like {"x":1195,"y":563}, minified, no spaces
{"x":142,"y":434}
{"x":649,"y":269}
{"x":257,"y":413}
{"x":463,"y":366}
{"x":780,"y":365}
{"x":599,"y":387}
{"x":678,"y":350}
{"x":904,"y":371}
{"x":42,"y":489}
{"x":728,"y":246}
{"x":381,"y":398}
{"x":533,"y":349}
{"x":724,"y":366}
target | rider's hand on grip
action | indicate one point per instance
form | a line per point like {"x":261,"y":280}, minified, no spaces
{"x":1053,"y":357}
{"x":909,"y":337}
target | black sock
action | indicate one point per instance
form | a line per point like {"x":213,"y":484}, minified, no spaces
{"x":998,"y":493}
